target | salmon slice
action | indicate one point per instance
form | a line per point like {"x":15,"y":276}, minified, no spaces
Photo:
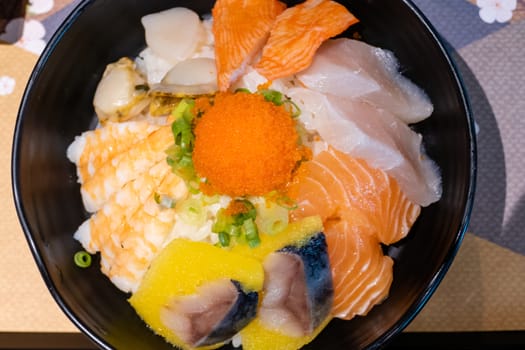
{"x":361,"y":274}
{"x":361,"y":207}
{"x":337,"y":186}
{"x":298,"y":33}
{"x":240,"y":28}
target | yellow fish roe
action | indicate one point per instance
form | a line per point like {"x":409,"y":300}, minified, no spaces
{"x":245,"y":145}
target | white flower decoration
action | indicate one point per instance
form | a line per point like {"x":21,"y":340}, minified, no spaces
{"x":25,"y":34}
{"x":496,"y":10}
{"x":7,"y":85}
{"x":39,"y":7}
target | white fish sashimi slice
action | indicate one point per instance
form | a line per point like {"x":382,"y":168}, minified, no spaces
{"x":252,"y":79}
{"x":174,"y":34}
{"x":353,"y":69}
{"x":364,"y":131}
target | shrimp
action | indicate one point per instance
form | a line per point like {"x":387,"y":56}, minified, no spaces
{"x":90,"y":150}
{"x":124,"y":167}
{"x":132,"y":227}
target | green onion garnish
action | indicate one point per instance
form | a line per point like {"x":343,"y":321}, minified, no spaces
{"x":224,"y":239}
{"x":251,"y":233}
{"x":245,"y":90}
{"x":249,"y":213}
{"x":180,"y":154}
{"x":292,"y":108}
{"x":240,"y":226}
{"x":82,"y":259}
{"x":279,"y":99}
{"x":273,"y":96}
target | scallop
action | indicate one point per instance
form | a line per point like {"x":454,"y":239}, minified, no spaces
{"x":192,"y":76}
{"x":121,"y":94}
{"x":174,"y":34}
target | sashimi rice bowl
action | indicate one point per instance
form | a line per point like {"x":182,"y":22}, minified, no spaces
{"x":251,"y":176}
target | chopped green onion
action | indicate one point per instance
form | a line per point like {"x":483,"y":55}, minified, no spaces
{"x":279,"y":99}
{"x":82,"y":259}
{"x":274,"y":96}
{"x":164,"y":201}
{"x":249,"y":213}
{"x":245,"y":90}
{"x":240,"y":226}
{"x":234,"y":230}
{"x":292,"y":108}
{"x":251,"y":233}
{"x":156,"y":197}
{"x":271,"y":217}
{"x":184,"y":110}
{"x":224,"y":239}
{"x":222,"y":222}
{"x":192,"y":212}
{"x":180,"y":154}
{"x":211,"y":199}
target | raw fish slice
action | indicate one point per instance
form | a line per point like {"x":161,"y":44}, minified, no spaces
{"x":93,"y":148}
{"x":373,"y":290}
{"x":298,"y":33}
{"x":364,"y":131}
{"x":213,"y":315}
{"x":362,"y":275}
{"x":240,"y":28}
{"x":303,"y":239}
{"x":124,"y":167}
{"x":386,"y":206}
{"x":180,"y":271}
{"x":298,"y":290}
{"x":354,"y":69}
{"x":339,"y":187}
{"x":360,"y":207}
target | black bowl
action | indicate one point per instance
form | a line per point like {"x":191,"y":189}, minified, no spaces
{"x":57,"y":105}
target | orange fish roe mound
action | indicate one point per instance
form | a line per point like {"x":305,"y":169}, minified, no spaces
{"x":245,"y":145}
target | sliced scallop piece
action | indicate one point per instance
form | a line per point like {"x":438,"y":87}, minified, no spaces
{"x":213,"y":315}
{"x":174,"y":34}
{"x":193,"y":76}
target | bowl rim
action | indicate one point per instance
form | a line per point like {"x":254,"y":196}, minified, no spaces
{"x":403,"y":321}
{"x":431,"y":287}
